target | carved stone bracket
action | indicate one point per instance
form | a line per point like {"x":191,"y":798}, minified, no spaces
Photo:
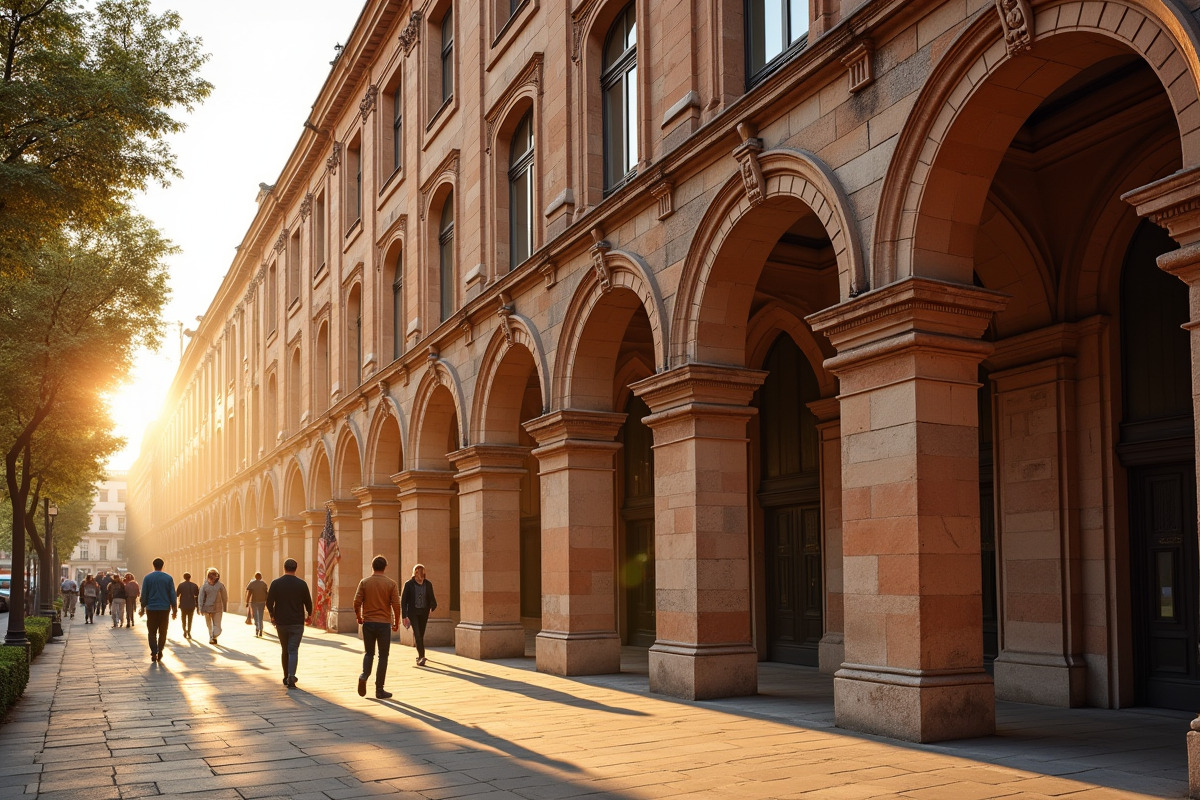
{"x":367,"y":104}
{"x":664,"y":193}
{"x":1016,"y":21}
{"x":281,"y":242}
{"x":859,"y":65}
{"x":549,"y":271}
{"x":746,"y":154}
{"x":408,"y":36}
{"x":306,"y":206}
{"x":599,"y":253}
{"x":505,"y":313}
{"x":335,"y":158}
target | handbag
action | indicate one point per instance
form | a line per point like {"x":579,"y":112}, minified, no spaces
{"x":249,"y":620}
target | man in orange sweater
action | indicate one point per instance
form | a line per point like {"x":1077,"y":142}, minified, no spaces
{"x":377,"y":607}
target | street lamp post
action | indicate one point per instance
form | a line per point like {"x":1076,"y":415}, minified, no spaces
{"x":48,"y":580}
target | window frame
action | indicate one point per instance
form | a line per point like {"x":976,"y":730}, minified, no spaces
{"x":787,"y":52}
{"x":621,"y":72}
{"x":446,"y":259}
{"x":522,"y":166}
{"x":446,"y":76}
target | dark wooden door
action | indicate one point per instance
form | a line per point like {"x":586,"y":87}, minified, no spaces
{"x":793,"y":543}
{"x":1165,"y":585}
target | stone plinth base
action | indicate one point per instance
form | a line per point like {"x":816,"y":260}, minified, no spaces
{"x":1039,"y":678}
{"x":1193,"y":748}
{"x":591,"y":653}
{"x":342,"y":620}
{"x":703,"y":672}
{"x":438,"y":633}
{"x":914,"y":706}
{"x":486,"y":640}
{"x":831,"y":652}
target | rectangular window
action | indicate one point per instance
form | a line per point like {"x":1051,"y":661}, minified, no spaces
{"x":319,"y":233}
{"x":83,"y":551}
{"x":293,"y":267}
{"x":120,"y":523}
{"x":448,"y":55}
{"x":397,"y":127}
{"x":772,"y":28}
{"x":103,"y":522}
{"x":353,"y":185}
{"x":121,"y":496}
{"x":103,"y":552}
{"x":272,"y":288}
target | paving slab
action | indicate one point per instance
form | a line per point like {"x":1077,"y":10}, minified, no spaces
{"x":216,"y":722}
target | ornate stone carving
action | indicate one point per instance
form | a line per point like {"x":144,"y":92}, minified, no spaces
{"x":746,"y":154}
{"x":549,"y":271}
{"x":1016,"y":21}
{"x":281,"y":242}
{"x":859,"y":65}
{"x":306,"y":206}
{"x":408,"y":36}
{"x":505,"y":313}
{"x":335,"y":158}
{"x":530,"y":75}
{"x":367,"y":104}
{"x":663,"y":192}
{"x":599,"y":253}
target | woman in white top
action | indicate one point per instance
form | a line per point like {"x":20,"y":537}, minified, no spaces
{"x":212,"y":602}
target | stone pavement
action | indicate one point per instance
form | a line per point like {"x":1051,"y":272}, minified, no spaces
{"x":216,"y":722}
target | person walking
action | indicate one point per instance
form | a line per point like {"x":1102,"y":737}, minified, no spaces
{"x":213,"y":600}
{"x":289,"y":604}
{"x":256,"y":602}
{"x":132,"y":590}
{"x":189,"y":596}
{"x":377,"y":608}
{"x":416,"y":601}
{"x":70,"y":593}
{"x":157,"y":598}
{"x":103,"y":582}
{"x":116,"y":601}
{"x":90,"y":590}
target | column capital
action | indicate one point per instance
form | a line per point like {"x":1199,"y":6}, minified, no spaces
{"x":313,"y":516}
{"x":423,"y":480}
{"x":912,"y":311}
{"x":342,"y":508}
{"x":1172,"y":203}
{"x":489,"y":458}
{"x":559,"y":426}
{"x":714,"y":384}
{"x":375,"y":496}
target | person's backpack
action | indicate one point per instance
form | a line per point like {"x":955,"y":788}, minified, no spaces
{"x":91,"y":590}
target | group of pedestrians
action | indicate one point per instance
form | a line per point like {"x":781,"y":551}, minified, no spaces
{"x":101,"y":594}
{"x":379,"y":606}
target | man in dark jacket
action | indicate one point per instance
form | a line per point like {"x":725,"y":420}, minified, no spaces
{"x":289,"y":604}
{"x":188,"y":593}
{"x":416,"y":601}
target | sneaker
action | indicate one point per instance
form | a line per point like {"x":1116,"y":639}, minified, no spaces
{"x":382,"y":695}
{"x":362,"y":685}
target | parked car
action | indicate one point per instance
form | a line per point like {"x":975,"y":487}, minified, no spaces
{"x":4,"y":600}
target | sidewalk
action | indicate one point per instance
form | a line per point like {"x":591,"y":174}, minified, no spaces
{"x":216,"y":722}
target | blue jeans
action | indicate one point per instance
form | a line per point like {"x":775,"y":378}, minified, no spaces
{"x":257,"y":610}
{"x":376,"y":634}
{"x":289,"y":644}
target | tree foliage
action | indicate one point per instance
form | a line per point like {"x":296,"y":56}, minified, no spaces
{"x":86,"y":97}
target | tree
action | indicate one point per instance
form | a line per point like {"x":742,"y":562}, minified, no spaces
{"x":86,"y":98}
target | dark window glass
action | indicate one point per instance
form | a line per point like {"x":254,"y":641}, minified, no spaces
{"x":772,"y":27}
{"x":618,"y":85}
{"x":446,"y":256}
{"x":520,"y":192}
{"x":397,"y":129}
{"x":448,"y":55}
{"x":398,"y":308}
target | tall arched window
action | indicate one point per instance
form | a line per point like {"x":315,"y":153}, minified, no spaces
{"x":772,"y":27}
{"x":397,"y":127}
{"x":353,"y":338}
{"x":520,"y":193}
{"x":446,"y":256}
{"x":398,"y":306}
{"x":618,"y":84}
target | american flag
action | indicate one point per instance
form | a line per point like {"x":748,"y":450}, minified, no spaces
{"x":328,"y":556}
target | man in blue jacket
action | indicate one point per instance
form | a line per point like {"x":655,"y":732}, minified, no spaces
{"x":158,"y":597}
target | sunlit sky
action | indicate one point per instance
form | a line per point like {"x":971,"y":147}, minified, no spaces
{"x":269,"y":59}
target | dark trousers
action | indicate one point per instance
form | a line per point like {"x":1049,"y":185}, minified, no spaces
{"x":130,"y":609}
{"x":376,"y":634}
{"x":89,"y":609}
{"x":289,"y":644}
{"x":419,"y":619}
{"x":187,"y":614}
{"x":156,"y":629}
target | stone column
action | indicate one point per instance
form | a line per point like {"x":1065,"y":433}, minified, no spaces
{"x":289,"y":543}
{"x":425,"y":539}
{"x":379,"y":510}
{"x":347,"y":526}
{"x":313,"y":524}
{"x":832,"y":650}
{"x":1041,"y":657}
{"x":1174,"y":203}
{"x":489,"y":534}
{"x":703,"y":646}
{"x":578,"y":479}
{"x":908,"y":359}
{"x":264,"y":557}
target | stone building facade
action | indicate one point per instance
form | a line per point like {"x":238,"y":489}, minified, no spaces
{"x":102,"y":547}
{"x":852,"y":333}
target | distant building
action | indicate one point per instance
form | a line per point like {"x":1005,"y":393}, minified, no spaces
{"x":103,"y":546}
